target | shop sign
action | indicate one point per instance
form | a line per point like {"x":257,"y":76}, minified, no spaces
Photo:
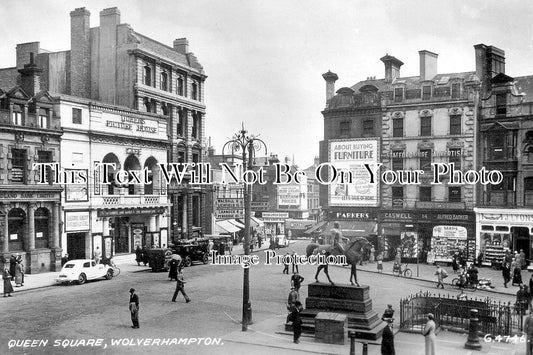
{"x":446,"y":241}
{"x":229,"y":203}
{"x":28,"y":195}
{"x":398,"y":216}
{"x":133,"y":124}
{"x":289,"y":195}
{"x":504,"y":217}
{"x":229,"y":214}
{"x":275,"y":215}
{"x":349,"y":156}
{"x":129,"y":212}
{"x":260,"y":205}
{"x":137,"y":231}
{"x":424,"y":154}
{"x":77,"y":221}
{"x":363,"y":216}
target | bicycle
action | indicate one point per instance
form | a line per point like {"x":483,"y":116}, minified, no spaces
{"x":467,"y":285}
{"x":405,"y":272}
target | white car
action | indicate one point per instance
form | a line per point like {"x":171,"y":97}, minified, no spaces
{"x":81,"y":270}
{"x":283,"y":241}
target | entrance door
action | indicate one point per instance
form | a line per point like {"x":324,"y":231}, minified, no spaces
{"x":121,"y":235}
{"x":76,"y":245}
{"x":521,"y":240}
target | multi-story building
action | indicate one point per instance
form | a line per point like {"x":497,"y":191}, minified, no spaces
{"x":30,"y":133}
{"x":504,"y":216}
{"x":138,"y":94}
{"x":313,"y":187}
{"x":406,"y":124}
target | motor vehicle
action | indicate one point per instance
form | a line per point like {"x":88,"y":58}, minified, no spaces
{"x":283,"y":241}
{"x":192,"y":250}
{"x":81,"y":270}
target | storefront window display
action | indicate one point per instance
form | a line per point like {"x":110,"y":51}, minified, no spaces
{"x":493,"y":246}
{"x":446,"y":241}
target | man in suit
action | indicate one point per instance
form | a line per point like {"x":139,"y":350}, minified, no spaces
{"x":387,"y":339}
{"x":134,"y":308}
{"x":296,"y":320}
{"x":180,"y":287}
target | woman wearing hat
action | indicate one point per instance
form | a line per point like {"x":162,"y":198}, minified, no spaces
{"x":429,"y":334}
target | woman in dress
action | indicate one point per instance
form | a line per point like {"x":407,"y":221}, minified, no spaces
{"x":517,"y":273}
{"x":8,"y":288}
{"x":19,"y":274}
{"x":429,"y":335}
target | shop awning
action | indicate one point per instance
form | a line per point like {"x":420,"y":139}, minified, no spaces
{"x":236,"y":224}
{"x":225,"y":227}
{"x":316,"y":227}
{"x":257,"y":221}
{"x":354,"y":228}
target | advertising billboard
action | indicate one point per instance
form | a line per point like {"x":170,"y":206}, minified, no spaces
{"x":348,"y":156}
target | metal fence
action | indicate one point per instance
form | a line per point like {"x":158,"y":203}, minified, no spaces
{"x":453,"y":313}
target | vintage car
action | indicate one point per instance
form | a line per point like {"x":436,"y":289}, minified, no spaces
{"x":192,"y":250}
{"x":81,"y":270}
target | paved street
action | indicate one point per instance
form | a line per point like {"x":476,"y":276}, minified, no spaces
{"x":98,"y":310}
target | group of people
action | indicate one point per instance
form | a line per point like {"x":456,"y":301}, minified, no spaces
{"x":513,"y":264}
{"x":141,"y":255}
{"x":13,"y":273}
{"x":294,"y":306}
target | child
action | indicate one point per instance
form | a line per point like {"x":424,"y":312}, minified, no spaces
{"x":379,"y":259}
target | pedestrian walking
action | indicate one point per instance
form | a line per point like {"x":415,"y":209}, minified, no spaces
{"x":144,"y":255}
{"x":387,"y":339}
{"x":12,"y":266}
{"x":455,"y":263}
{"x":97,"y":255}
{"x":134,"y":308}
{"x":19,"y":273}
{"x":173,"y":268}
{"x":296,"y":320}
{"x":180,"y":287}
{"x":138,"y":255}
{"x":379,"y":258}
{"x":294,"y":263}
{"x":371,"y":258}
{"x":517,"y":274}
{"x":429,"y":335}
{"x":523,"y":261}
{"x":8,"y":288}
{"x":388,"y":313}
{"x":286,"y":263}
{"x":528,"y":329}
{"x":441,"y":275}
{"x":292,"y":299}
{"x":296,"y":281}
{"x":506,"y":273}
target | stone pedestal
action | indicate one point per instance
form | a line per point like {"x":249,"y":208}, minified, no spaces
{"x":352,"y":301}
{"x":331,"y":327}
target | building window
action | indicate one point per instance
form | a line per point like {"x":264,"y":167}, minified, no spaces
{"x":16,"y":118}
{"x":424,"y":193}
{"x":180,"y":86}
{"x":194,"y":91}
{"x":503,"y":194}
{"x":398,"y":95}
{"x":501,"y":145}
{"x":165,"y":109}
{"x":344,"y":128}
{"x":196,"y":211}
{"x":147,"y":75}
{"x":181,"y":121}
{"x":147,"y":105}
{"x":195,"y":126}
{"x":43,"y":119}
{"x":425,"y":159}
{"x":455,"y":157}
{"x":397,"y":196}
{"x":397,"y":160}
{"x":76,"y":116}
{"x":456,"y":90}
{"x":44,"y":156}
{"x":455,"y":124}
{"x":426,"y":92}
{"x":164,"y":81}
{"x":501,"y":104}
{"x":397,"y":127}
{"x":181,"y":157}
{"x":528,"y":191}
{"x":454,"y":194}
{"x":368,"y":127}
{"x":425,"y":126}
{"x":18,"y":165}
{"x":41,"y":225}
{"x":15,"y":220}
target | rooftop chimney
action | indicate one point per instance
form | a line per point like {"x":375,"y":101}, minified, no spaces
{"x":80,"y":52}
{"x":30,"y":77}
{"x":330,"y":84}
{"x":490,"y":61}
{"x":428,"y":65}
{"x":181,"y":45}
{"x":392,"y":68}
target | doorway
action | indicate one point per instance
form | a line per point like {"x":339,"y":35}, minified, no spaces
{"x":521,"y":240}
{"x":76,"y":245}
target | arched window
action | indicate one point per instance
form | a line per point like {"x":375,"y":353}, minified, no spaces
{"x":42,"y":227}
{"x":111,"y":158}
{"x":16,"y":228}
{"x":165,"y":109}
{"x":164,"y":81}
{"x":132,"y":163}
{"x":147,"y":105}
{"x":195,"y":125}
{"x":155,"y":187}
{"x":147,"y":75}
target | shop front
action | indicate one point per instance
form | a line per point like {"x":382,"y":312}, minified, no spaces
{"x":396,"y":226}
{"x":359,"y":223}
{"x":498,"y":230}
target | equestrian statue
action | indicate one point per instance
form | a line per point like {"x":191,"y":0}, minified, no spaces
{"x":353,"y":250}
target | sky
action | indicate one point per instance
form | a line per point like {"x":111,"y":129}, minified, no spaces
{"x":265,"y":58}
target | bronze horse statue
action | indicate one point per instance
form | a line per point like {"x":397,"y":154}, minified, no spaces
{"x":353,"y":251}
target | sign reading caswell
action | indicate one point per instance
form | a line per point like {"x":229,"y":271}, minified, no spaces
{"x":346,"y":158}
{"x":76,"y":221}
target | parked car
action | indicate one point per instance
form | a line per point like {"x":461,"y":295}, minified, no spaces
{"x":81,"y":270}
{"x":192,"y":250}
{"x":283,"y":241}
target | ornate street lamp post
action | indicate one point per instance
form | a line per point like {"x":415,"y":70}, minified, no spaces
{"x":247,"y":145}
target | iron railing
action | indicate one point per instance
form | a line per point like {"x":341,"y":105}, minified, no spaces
{"x":504,"y":318}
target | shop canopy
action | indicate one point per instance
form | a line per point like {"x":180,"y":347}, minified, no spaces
{"x":236,"y":224}
{"x":225,"y":227}
{"x":316,"y":227}
{"x":257,"y":221}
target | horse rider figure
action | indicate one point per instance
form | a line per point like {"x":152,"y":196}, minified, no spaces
{"x":337,"y":237}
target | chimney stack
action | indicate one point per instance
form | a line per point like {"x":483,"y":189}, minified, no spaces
{"x":428,"y":65}
{"x":181,"y":45}
{"x":330,"y":84}
{"x":392,"y":68}
{"x":30,"y":77}
{"x":80,"y":53}
{"x":490,"y":61}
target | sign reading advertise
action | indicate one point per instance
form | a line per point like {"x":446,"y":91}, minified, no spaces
{"x":352,"y":185}
{"x":77,"y":221}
